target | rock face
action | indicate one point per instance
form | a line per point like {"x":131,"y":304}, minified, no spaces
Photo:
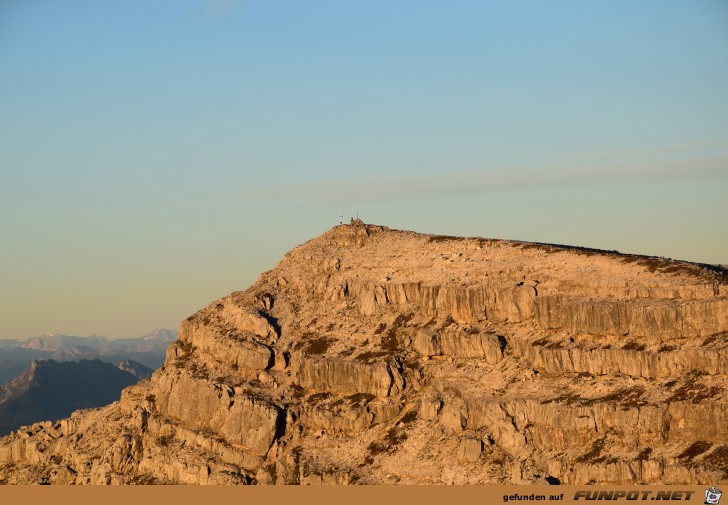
{"x":377,"y":356}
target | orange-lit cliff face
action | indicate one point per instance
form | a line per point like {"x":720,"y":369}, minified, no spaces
{"x":370,"y":355}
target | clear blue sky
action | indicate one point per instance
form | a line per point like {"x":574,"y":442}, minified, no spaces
{"x":156,"y":155}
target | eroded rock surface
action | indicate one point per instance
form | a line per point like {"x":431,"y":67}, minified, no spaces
{"x":377,"y":356}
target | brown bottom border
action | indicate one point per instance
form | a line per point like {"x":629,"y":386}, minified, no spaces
{"x":350,"y":495}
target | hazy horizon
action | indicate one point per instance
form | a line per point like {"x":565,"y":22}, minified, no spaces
{"x":158,"y":155}
{"x":90,"y":336}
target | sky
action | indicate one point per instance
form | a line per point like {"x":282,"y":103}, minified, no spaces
{"x":155,"y":156}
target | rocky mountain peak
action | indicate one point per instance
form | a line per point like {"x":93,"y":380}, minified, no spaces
{"x":371,"y":355}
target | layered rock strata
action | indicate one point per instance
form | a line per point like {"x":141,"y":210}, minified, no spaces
{"x":370,"y":355}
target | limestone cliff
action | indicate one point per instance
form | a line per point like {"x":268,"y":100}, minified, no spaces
{"x":370,"y":355}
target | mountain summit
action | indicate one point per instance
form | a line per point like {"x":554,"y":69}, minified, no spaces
{"x":369,"y":355}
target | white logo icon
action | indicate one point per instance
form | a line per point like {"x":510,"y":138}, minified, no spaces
{"x":712,"y":495}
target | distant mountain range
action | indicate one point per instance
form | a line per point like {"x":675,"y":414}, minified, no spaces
{"x":148,"y":350}
{"x":51,"y":390}
{"x":136,"y":369}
